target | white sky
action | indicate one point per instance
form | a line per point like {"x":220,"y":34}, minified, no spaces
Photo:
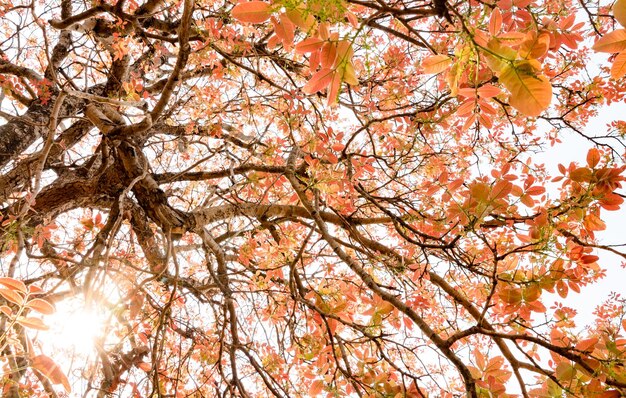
{"x":574,"y":148}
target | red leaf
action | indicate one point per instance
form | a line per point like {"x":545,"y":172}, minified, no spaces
{"x":611,"y":201}
{"x":251,"y":12}
{"x":589,"y":259}
{"x":51,"y":370}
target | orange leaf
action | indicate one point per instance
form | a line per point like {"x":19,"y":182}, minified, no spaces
{"x":328,"y":54}
{"x":13,"y":284}
{"x":611,"y":201}
{"x":535,"y":46}
{"x":51,"y":370}
{"x":580,"y":174}
{"x":333,"y":90}
{"x":146,"y":367}
{"x":489,"y":91}
{"x":319,"y":81}
{"x":344,"y":52}
{"x":6,"y":310}
{"x":12,"y":296}
{"x":32,"y":289}
{"x":561,"y":289}
{"x":32,"y":323}
{"x":495,"y":21}
{"x":316,"y":387}
{"x":530,"y":94}
{"x":501,"y":189}
{"x":252,"y":12}
{"x":285,"y":29}
{"x":41,"y":306}
{"x":466,"y":107}
{"x":535,"y":190}
{"x":309,"y":45}
{"x":619,"y":11}
{"x":587,"y":344}
{"x":618,"y":69}
{"x":436,"y":63}
{"x":612,"y":42}
{"x":537,"y":306}
{"x":593,"y":157}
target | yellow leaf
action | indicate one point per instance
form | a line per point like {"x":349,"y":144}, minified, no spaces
{"x":565,"y":371}
{"x":251,"y":12}
{"x":301,"y":18}
{"x":499,"y":55}
{"x":349,"y":75}
{"x":436,"y":63}
{"x":619,"y":11}
{"x":51,"y":370}
{"x":619,"y":66}
{"x":530,"y":94}
{"x":612,"y":42}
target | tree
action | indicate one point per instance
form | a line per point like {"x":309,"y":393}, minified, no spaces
{"x":304,"y":197}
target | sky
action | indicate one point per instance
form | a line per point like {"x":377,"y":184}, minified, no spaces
{"x":574,"y":148}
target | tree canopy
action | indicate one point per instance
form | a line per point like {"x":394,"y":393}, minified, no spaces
{"x":300,"y":198}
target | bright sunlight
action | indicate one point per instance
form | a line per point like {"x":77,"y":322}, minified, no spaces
{"x":75,"y":328}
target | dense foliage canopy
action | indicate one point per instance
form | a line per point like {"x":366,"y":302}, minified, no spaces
{"x":297,"y":198}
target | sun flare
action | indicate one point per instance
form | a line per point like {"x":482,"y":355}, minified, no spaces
{"x":77,"y":329}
